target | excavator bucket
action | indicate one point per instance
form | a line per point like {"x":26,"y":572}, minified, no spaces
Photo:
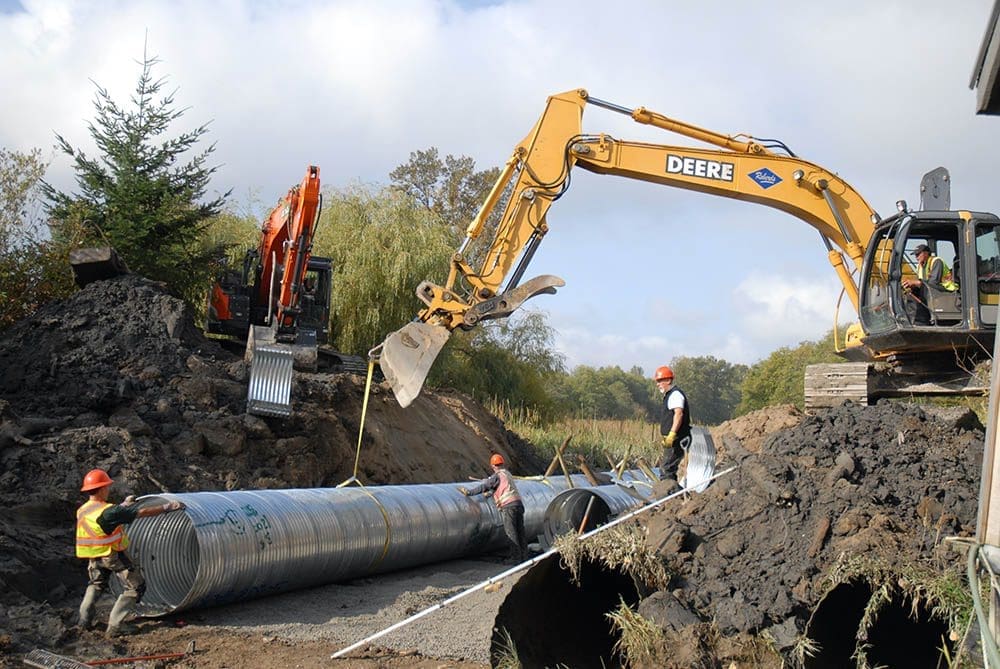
{"x":271,"y":365}
{"x":407,"y":355}
{"x":95,"y":263}
{"x":271,"y":368}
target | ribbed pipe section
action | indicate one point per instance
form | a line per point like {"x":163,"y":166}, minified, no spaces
{"x":701,"y":460}
{"x":577,"y":510}
{"x":269,"y":391}
{"x":231,"y":546}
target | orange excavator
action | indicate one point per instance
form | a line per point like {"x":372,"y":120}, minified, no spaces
{"x":279,"y":303}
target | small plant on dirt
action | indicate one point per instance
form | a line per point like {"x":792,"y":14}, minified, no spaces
{"x":803,"y":649}
{"x":622,"y":547}
{"x":640,"y":641}
{"x":507,"y":657}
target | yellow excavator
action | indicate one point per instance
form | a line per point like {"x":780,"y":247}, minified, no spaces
{"x":905,"y":342}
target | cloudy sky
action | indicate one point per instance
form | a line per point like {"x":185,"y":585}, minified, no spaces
{"x":874,"y":91}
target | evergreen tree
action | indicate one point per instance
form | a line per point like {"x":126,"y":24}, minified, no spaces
{"x":139,"y":195}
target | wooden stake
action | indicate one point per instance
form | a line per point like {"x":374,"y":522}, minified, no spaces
{"x":555,"y":458}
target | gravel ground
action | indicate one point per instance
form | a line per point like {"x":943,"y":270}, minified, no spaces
{"x":346,"y":613}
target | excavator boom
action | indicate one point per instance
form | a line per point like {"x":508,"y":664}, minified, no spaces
{"x":538,"y":173}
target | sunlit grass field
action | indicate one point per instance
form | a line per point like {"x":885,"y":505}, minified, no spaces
{"x":603,"y":443}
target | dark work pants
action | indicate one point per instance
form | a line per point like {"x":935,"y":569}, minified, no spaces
{"x":513,"y":527}
{"x":672,"y":457}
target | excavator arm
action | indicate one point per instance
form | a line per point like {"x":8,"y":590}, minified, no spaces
{"x":284,"y":250}
{"x":502,"y":239}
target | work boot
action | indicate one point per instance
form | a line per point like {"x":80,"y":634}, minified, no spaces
{"x":116,"y":621}
{"x":86,"y":620}
{"x":122,"y":629}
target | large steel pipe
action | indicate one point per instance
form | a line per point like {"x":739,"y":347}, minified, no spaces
{"x":230,"y":546}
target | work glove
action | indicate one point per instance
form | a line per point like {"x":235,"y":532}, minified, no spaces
{"x":463,"y":490}
{"x":668,"y":439}
{"x":129,"y":501}
{"x":174,"y":505}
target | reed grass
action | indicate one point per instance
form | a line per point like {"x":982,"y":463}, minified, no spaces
{"x":600,"y":441}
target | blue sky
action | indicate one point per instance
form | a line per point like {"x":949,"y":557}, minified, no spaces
{"x":875,"y":91}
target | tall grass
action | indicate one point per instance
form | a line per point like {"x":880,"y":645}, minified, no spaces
{"x":600,"y":441}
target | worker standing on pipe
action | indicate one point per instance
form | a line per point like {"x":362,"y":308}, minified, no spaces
{"x":675,"y":425}
{"x":508,"y":500}
{"x":101,"y":540}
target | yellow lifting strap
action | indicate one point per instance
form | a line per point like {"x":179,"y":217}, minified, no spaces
{"x":354,"y":480}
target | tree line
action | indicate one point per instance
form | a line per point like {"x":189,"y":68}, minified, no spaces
{"x":145,"y":193}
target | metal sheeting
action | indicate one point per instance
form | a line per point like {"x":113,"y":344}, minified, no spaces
{"x":701,"y":461}
{"x":231,"y":546}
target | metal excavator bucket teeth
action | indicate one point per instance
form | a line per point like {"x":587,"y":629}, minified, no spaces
{"x":271,"y":367}
{"x":407,"y":355}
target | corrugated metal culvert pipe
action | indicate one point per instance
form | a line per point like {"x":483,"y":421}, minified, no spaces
{"x":231,"y":546}
{"x":578,"y":510}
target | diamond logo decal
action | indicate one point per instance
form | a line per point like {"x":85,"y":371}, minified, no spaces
{"x":765,"y":178}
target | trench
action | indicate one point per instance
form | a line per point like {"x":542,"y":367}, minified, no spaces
{"x":900,"y":636}
{"x":552,"y":621}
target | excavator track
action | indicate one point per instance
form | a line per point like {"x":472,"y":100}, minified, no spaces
{"x":332,"y":362}
{"x":830,"y":385}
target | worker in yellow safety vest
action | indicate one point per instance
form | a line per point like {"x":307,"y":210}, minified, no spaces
{"x":508,"y":500}
{"x":101,"y":540}
{"x":932,"y":272}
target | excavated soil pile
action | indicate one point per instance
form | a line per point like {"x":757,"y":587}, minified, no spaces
{"x":119,"y":377}
{"x":878,"y":485}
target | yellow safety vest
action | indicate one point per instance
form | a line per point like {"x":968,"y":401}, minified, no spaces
{"x":91,"y":541}
{"x":924,"y":270}
{"x":506,"y":493}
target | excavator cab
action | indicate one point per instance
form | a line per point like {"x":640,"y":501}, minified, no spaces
{"x":959,"y":319}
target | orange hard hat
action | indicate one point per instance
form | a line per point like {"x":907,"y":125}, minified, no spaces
{"x":95,"y":478}
{"x":496,"y":460}
{"x":663,"y":373}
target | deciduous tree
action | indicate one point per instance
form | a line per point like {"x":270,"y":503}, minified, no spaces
{"x":780,"y":378}
{"x":451,"y":188}
{"x":34,"y":269}
{"x":712,"y":387}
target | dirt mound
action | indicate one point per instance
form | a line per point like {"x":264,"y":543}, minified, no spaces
{"x":883,"y":484}
{"x":752,"y":429}
{"x":119,"y":377}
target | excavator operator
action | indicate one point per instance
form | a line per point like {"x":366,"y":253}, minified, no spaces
{"x":675,"y":425}
{"x":932,"y":274}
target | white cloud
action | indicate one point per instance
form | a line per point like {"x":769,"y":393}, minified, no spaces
{"x":876,"y":92}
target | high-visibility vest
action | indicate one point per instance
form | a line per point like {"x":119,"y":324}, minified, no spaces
{"x":91,"y":541}
{"x":506,"y":493}
{"x":924,"y":270}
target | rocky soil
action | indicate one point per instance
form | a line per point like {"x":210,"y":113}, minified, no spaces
{"x":852,"y":490}
{"x":119,"y":377}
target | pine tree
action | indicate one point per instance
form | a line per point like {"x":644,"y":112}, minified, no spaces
{"x":139,"y":195}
